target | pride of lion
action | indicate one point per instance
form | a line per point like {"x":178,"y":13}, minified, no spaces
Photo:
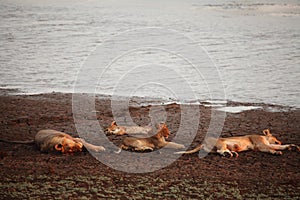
{"x":231,"y":145}
{"x":52,"y":140}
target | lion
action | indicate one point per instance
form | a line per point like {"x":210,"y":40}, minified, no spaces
{"x":232,"y":145}
{"x":56,"y":141}
{"x":149,"y":144}
{"x":121,"y":130}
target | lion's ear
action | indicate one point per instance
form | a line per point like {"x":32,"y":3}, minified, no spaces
{"x":163,"y":125}
{"x":267,"y":132}
{"x":58,"y":147}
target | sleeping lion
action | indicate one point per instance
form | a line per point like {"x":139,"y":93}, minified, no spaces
{"x":56,"y":141}
{"x":121,"y":130}
{"x":232,"y":145}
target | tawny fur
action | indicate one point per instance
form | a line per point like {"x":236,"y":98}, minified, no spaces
{"x":154,"y":142}
{"x":121,"y":130}
{"x":232,"y":145}
{"x":56,"y":141}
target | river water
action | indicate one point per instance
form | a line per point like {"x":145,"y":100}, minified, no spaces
{"x":249,"y":50}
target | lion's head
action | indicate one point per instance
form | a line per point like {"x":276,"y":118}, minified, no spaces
{"x":67,"y":145}
{"x":271,"y":139}
{"x":114,"y":129}
{"x":163,"y":130}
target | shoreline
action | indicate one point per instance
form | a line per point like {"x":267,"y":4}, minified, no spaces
{"x":227,"y":106}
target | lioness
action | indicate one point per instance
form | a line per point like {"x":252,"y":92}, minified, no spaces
{"x":52,"y":140}
{"x":121,"y":130}
{"x":151,"y":143}
{"x":232,"y":145}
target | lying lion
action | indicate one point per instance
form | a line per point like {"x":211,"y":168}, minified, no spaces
{"x":52,"y":140}
{"x":233,"y":145}
{"x":121,"y":130}
{"x":154,"y":142}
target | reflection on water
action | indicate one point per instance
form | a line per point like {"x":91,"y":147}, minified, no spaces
{"x":255,"y":45}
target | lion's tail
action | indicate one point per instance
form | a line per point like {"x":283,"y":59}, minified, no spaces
{"x":18,"y":142}
{"x":196,"y":149}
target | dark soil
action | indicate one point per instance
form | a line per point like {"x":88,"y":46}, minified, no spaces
{"x":28,"y":174}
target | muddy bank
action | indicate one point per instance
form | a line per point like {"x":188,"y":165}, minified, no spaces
{"x":27,"y":173}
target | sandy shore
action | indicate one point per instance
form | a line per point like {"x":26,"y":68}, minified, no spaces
{"x":27,"y":173}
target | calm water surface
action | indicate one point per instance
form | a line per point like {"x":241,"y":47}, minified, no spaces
{"x":254,"y":44}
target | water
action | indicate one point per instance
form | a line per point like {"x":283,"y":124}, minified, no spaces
{"x":254,"y":44}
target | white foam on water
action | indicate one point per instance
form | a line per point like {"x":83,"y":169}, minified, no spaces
{"x":238,"y":109}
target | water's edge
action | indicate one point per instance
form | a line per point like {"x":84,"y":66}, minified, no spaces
{"x":227,"y":106}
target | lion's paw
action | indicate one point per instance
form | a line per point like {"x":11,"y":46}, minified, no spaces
{"x":294,"y":147}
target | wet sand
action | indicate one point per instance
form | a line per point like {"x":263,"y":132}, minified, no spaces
{"x":27,"y":173}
